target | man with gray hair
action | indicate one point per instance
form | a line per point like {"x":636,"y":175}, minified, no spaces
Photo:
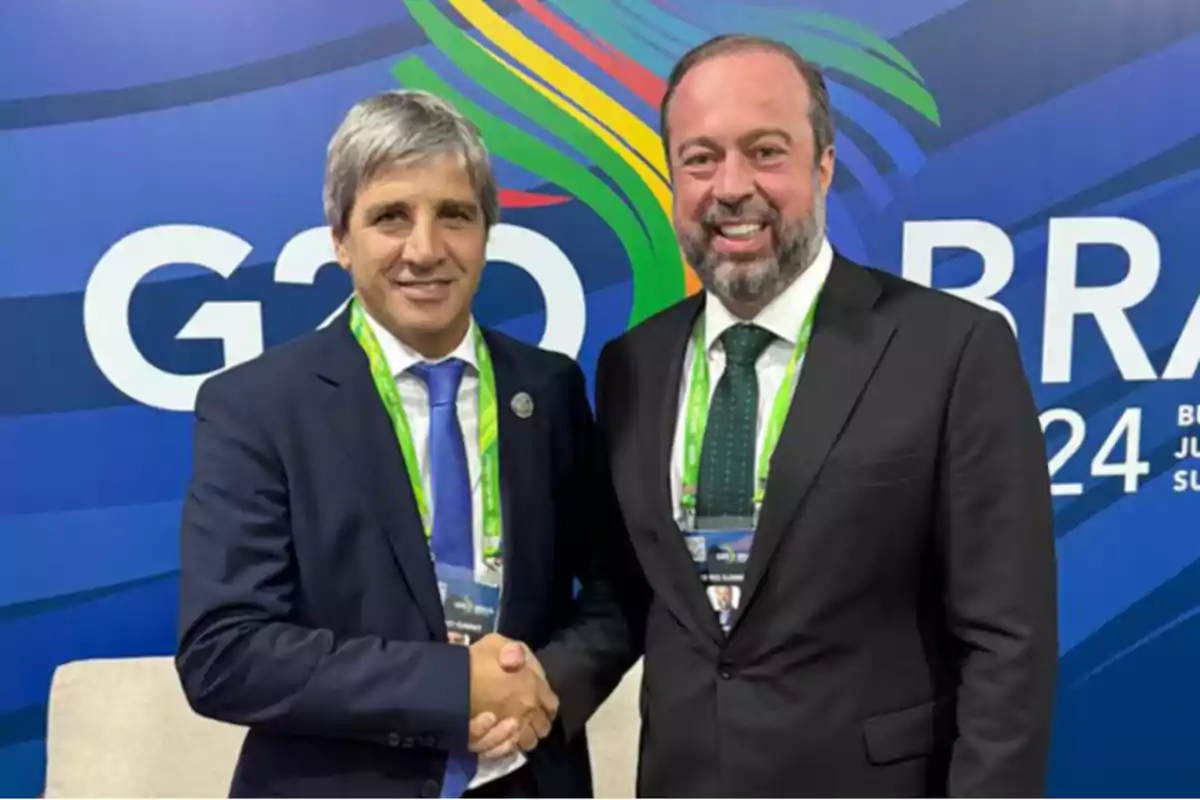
{"x":851,"y":461}
{"x":387,"y":518}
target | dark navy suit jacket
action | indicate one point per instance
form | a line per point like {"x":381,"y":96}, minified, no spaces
{"x":309,"y":607}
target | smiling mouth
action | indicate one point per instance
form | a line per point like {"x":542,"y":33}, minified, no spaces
{"x":425,"y":290}
{"x":418,"y":284}
{"x":737,"y":231}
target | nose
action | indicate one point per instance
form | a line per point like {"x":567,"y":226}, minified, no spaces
{"x":735,"y":181}
{"x":424,"y":246}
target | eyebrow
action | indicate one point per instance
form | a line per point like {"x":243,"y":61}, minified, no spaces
{"x":466,"y":207}
{"x":743,"y":140}
{"x":762,"y":133}
{"x":379,"y":209}
{"x":696,"y":141}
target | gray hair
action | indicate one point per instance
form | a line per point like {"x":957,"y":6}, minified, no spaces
{"x":402,"y":127}
{"x":820,"y":114}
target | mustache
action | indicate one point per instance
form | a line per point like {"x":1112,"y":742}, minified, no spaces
{"x":720,"y":211}
{"x":413,"y":273}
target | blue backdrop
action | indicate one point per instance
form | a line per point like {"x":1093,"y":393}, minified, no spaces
{"x":161,"y":169}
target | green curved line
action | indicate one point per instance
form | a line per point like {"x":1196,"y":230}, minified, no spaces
{"x":847,"y":29}
{"x":525,"y":151}
{"x":658,"y":270}
{"x":639,"y":15}
{"x":834,"y":53}
{"x":597,"y":19}
{"x":881,"y":64}
{"x":868,"y":68}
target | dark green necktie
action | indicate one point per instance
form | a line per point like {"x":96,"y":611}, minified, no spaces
{"x":726,"y":481}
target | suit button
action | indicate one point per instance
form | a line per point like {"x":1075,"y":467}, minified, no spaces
{"x":726,"y":669}
{"x":726,"y":674}
{"x":431,"y":788}
{"x":393,"y":740}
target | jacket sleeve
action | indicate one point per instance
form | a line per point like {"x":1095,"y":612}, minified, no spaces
{"x":242,"y":657}
{"x":585,"y":661}
{"x":996,"y":542}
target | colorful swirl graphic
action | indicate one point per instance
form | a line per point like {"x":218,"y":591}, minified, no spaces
{"x":633,"y":45}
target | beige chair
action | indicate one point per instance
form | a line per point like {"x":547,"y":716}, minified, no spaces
{"x":613,"y":739}
{"x":122,"y":728}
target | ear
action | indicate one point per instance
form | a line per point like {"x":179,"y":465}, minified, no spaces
{"x":825,"y":168}
{"x":340,"y":249}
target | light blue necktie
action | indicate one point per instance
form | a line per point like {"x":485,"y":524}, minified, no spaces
{"x":452,"y":539}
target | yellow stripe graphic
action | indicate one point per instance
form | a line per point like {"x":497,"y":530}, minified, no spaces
{"x":656,"y":185}
{"x":509,"y":39}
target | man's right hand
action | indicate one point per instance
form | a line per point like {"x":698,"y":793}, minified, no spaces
{"x":521,"y":695}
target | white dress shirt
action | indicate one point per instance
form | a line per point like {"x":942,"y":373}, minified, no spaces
{"x":414,"y":397}
{"x":783,"y":317}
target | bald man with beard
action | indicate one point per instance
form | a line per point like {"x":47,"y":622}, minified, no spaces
{"x":855,"y":460}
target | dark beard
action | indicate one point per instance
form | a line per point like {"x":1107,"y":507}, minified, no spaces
{"x":755,"y":283}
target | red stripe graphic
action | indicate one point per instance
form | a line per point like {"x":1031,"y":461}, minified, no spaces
{"x":515,"y":198}
{"x":632,"y":75}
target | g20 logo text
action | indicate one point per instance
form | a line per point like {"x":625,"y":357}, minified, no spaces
{"x":238,"y":324}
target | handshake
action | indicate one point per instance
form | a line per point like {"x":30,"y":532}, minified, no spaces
{"x":512,"y":706}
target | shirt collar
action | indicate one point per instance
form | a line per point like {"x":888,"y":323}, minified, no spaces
{"x":400,"y":357}
{"x":784,"y":315}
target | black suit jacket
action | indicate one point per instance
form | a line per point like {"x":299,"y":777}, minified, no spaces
{"x":897,"y":628}
{"x":309,"y":606}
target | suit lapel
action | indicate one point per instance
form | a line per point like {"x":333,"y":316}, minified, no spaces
{"x":847,"y":343}
{"x":377,"y":465}
{"x":665,"y":366}
{"x":523,"y":485}
{"x":666,"y":373}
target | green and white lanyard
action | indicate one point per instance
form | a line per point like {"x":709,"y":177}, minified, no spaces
{"x":489,"y":451}
{"x":697,"y":417}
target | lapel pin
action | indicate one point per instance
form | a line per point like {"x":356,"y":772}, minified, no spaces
{"x":522,"y":405}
